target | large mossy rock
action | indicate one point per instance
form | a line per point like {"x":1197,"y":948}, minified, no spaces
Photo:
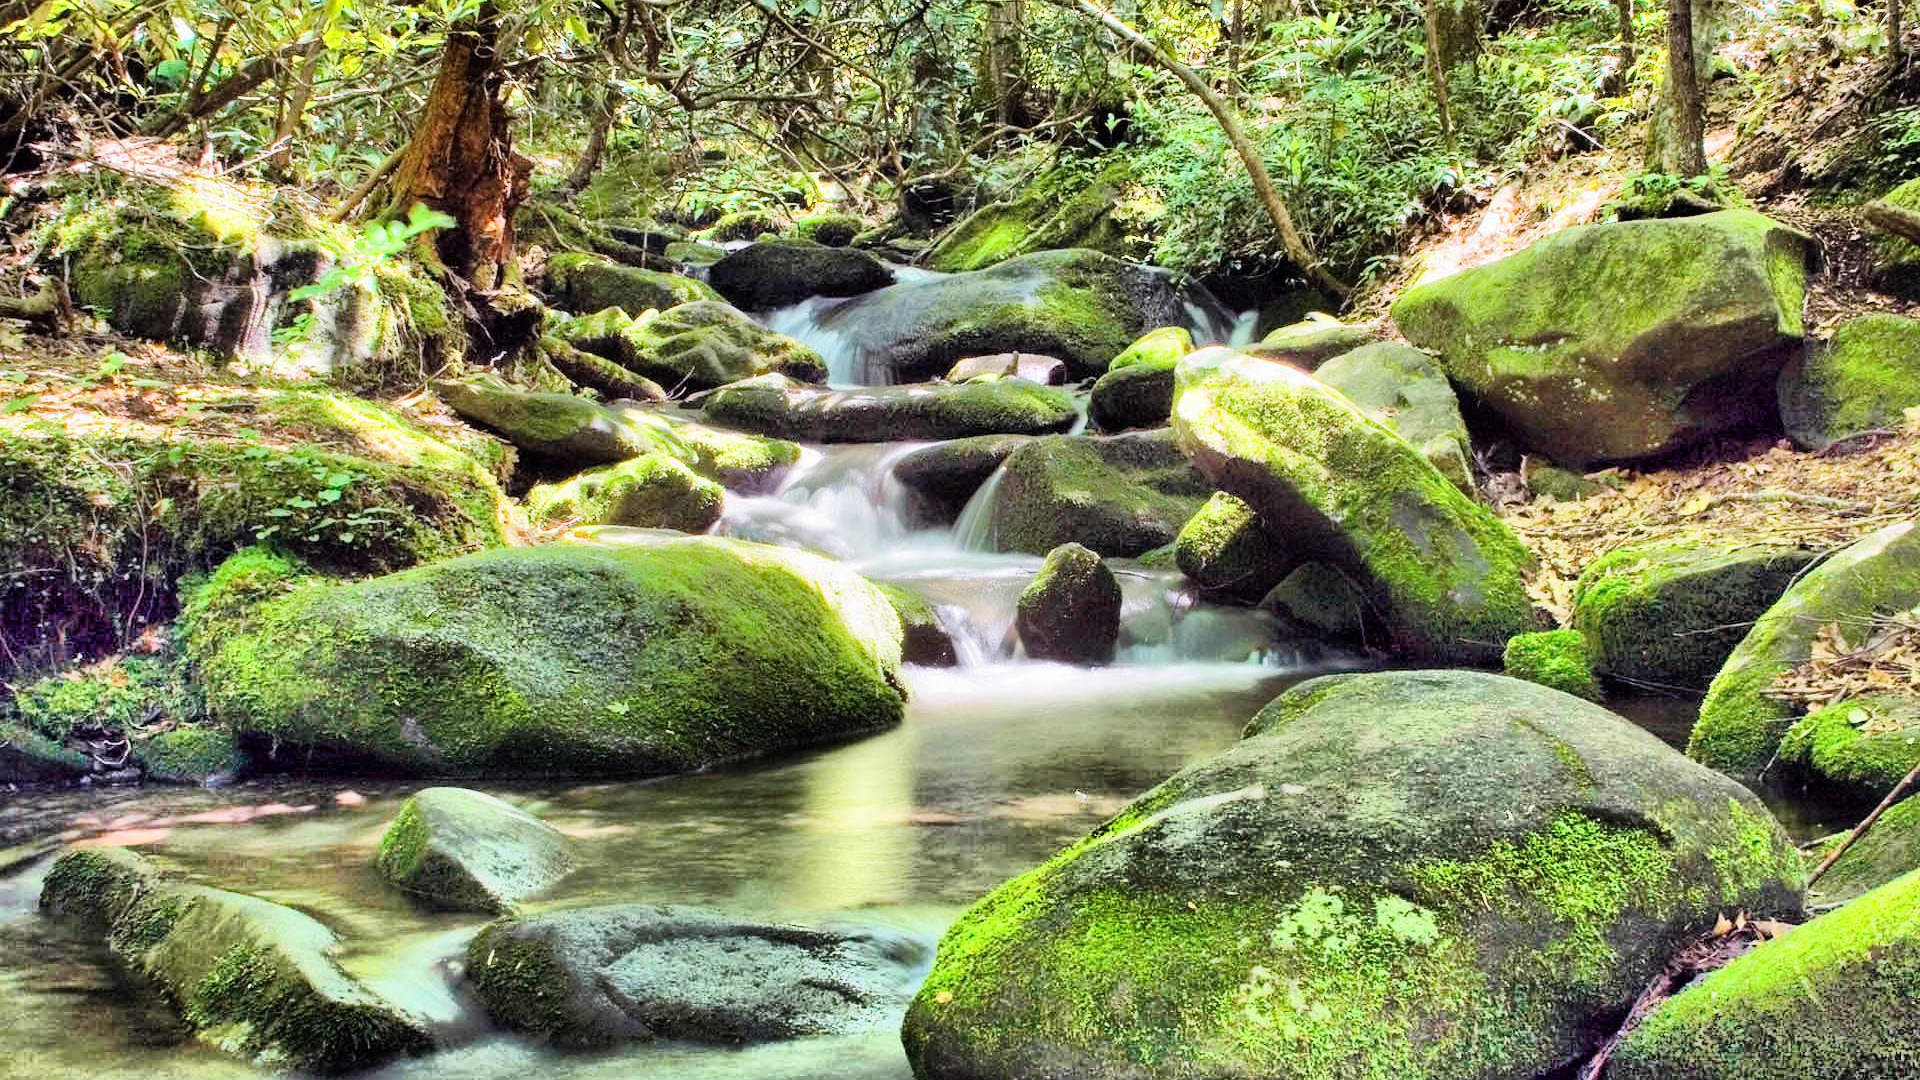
{"x":1741,"y":723}
{"x":1832,"y":998}
{"x":459,"y":850}
{"x":652,"y":491}
{"x":1865,"y":378}
{"x":773,"y":405}
{"x":249,"y":976}
{"x":568,"y":658}
{"x":941,"y":479}
{"x":30,"y":759}
{"x":1407,"y":874}
{"x":1070,"y":611}
{"x":1080,"y":306}
{"x":584,"y":284}
{"x":1666,"y":616}
{"x":1336,"y":486}
{"x":1621,"y":341}
{"x":1121,"y":496}
{"x":598,"y":976}
{"x":1405,"y":389}
{"x":775,"y":273}
{"x":1063,"y":208}
{"x":1138,"y":395}
{"x":1861,"y":746}
{"x":1311,"y":342}
{"x":706,"y":344}
{"x":1223,"y":549}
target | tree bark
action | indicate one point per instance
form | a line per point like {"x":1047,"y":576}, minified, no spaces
{"x":293,"y":119}
{"x":1896,"y":35}
{"x":1678,"y":141}
{"x":1437,"y":70}
{"x":1006,"y":22}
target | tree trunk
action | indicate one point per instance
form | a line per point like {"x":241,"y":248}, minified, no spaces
{"x":1437,"y":70}
{"x":461,"y":160}
{"x":596,"y":148}
{"x":1677,"y":136}
{"x":1896,"y":34}
{"x":293,"y":119}
{"x":1006,"y":22}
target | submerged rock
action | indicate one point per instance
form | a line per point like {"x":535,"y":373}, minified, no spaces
{"x":584,"y":284}
{"x":654,"y":491}
{"x":1444,"y":576}
{"x":1832,"y":998}
{"x":1071,"y":610}
{"x":1741,"y":723}
{"x":460,"y":850}
{"x":641,"y":661}
{"x":1860,"y":746}
{"x":598,"y":976}
{"x":775,"y":273}
{"x":1620,"y":341}
{"x":1865,"y":378}
{"x":251,"y":977}
{"x":1406,"y":390}
{"x":1224,"y":550}
{"x":1416,"y":874}
{"x":1120,"y":496}
{"x":942,"y":478}
{"x":773,"y":405}
{"x":1554,"y":658}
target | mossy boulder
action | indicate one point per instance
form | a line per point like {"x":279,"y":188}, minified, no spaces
{"x":654,"y":491}
{"x":1667,"y":615}
{"x":774,"y":405}
{"x":739,"y":225}
{"x":740,"y":462}
{"x":1405,"y":389}
{"x":201,"y":756}
{"x":598,"y":976}
{"x":1831,"y":998}
{"x":1625,"y":340}
{"x":1741,"y":723}
{"x":593,"y":369}
{"x":458,"y":850}
{"x":568,"y":658}
{"x":832,"y":229}
{"x":1862,"y":746}
{"x":1120,"y":495}
{"x":1161,"y":347}
{"x":924,"y":640}
{"x":1897,"y":261}
{"x":1070,"y":611}
{"x":1139,"y":395}
{"x":110,"y":698}
{"x":1224,"y":550}
{"x":1560,"y":659}
{"x":561,"y":429}
{"x":1066,"y":207}
{"x":28,"y":758}
{"x":941,"y":479}
{"x":775,"y":273}
{"x":1080,"y":306}
{"x":1402,"y":874}
{"x":706,"y":344}
{"x":1889,"y":850}
{"x":1311,"y":342}
{"x":584,"y":284}
{"x":1863,"y":379}
{"x":1444,"y":576}
{"x":251,"y":977}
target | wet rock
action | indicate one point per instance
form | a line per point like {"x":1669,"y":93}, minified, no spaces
{"x":1560,"y":659}
{"x":707,"y":344}
{"x":560,"y":428}
{"x":653,"y":491}
{"x":1044,"y":370}
{"x":251,"y":977}
{"x":1322,"y":600}
{"x":1435,"y":873}
{"x":1070,"y":612}
{"x":29,"y":758}
{"x":1311,"y":342}
{"x":1406,"y":390}
{"x":1223,"y":549}
{"x":592,"y":369}
{"x":599,"y":976}
{"x":1139,"y":395}
{"x":1889,"y":850}
{"x":1864,"y":379}
{"x":1741,"y":723}
{"x":459,"y":850}
{"x":924,"y":640}
{"x":943,"y":478}
{"x":1860,"y":746}
{"x":584,"y":284}
{"x":775,"y":406}
{"x":680,"y":654}
{"x":202,"y":756}
{"x":1621,"y":341}
{"x":1120,"y":495}
{"x":1444,"y":575}
{"x":775,"y":273}
{"x":1831,"y":998}
{"x":1667,"y":616}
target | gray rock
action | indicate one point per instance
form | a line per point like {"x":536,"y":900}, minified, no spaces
{"x":1405,"y":389}
{"x":942,"y":478}
{"x":1121,"y":495}
{"x":1044,"y":370}
{"x":775,"y":273}
{"x":461,"y":850}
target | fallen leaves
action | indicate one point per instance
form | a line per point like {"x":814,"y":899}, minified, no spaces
{"x":1886,"y":660}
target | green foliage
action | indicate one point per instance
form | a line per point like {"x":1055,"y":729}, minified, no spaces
{"x":358,"y":260}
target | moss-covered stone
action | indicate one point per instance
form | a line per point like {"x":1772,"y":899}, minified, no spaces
{"x":1120,"y":496}
{"x":942,"y":478}
{"x":594,"y":370}
{"x":107,"y":698}
{"x":1863,"y":379}
{"x":250,"y":977}
{"x":1666,"y":616}
{"x":1559,"y":659}
{"x":1897,"y":260}
{"x":775,"y":273}
{"x":1741,"y":722}
{"x":583,"y":284}
{"x":30,"y":758}
{"x":707,"y":344}
{"x":739,"y":225}
{"x":1311,"y":342}
{"x":775,"y":405}
{"x":1395,"y":876}
{"x":924,"y":641}
{"x":1223,"y":549}
{"x":190,"y":755}
{"x":562,"y":429}
{"x":1405,"y":390}
{"x":568,"y":658}
{"x":832,"y":229}
{"x":1162,"y":347}
{"x":695,"y":253}
{"x":1063,"y":208}
{"x":1889,"y":850}
{"x":1444,"y":576}
{"x":654,"y":491}
{"x":1619,"y":341}
{"x":459,"y":850}
{"x":1070,"y":611}
{"x":1861,"y":746}
{"x":1832,"y":998}
{"x":1139,"y":395}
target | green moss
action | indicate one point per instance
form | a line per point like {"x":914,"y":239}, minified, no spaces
{"x":1890,"y":849}
{"x":189,"y":755}
{"x":739,"y":225}
{"x":1311,"y":342}
{"x":527,"y":987}
{"x":1864,"y":746}
{"x":589,"y":283}
{"x":1161,"y":348}
{"x":1223,"y":549}
{"x":829,"y":230}
{"x":1556,"y":658}
{"x":28,"y":757}
{"x":1865,"y":378}
{"x":1120,"y":496}
{"x":1065,"y":207}
{"x":651,"y":491}
{"x":777,"y":406}
{"x":708,"y":344}
{"x":107,"y":698}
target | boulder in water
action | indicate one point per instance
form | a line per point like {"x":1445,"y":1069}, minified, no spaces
{"x":653,"y":491}
{"x":1044,"y":370}
{"x":775,"y":273}
{"x":594,"y":977}
{"x":1139,"y":395}
{"x":563,"y":659}
{"x":706,"y":344}
{"x":250,"y":976}
{"x":1859,"y":746}
{"x":1419,"y":874}
{"x":1071,"y":610}
{"x":942,"y":478}
{"x":774,"y":405}
{"x":1621,"y":341}
{"x":30,"y":758}
{"x":1405,"y":389}
{"x":923,"y":641}
{"x":1121,"y":495}
{"x":1224,"y":550}
{"x":460,"y":850}
{"x":1865,"y":378}
{"x":583,"y":284}
{"x":202,"y":756}
{"x":1561,"y":659}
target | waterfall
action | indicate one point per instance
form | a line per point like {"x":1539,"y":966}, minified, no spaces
{"x":973,"y":529}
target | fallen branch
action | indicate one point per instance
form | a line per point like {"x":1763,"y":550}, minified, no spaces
{"x":1861,"y":829}
{"x":1782,"y":495}
{"x":50,"y":306}
{"x":1889,"y":218}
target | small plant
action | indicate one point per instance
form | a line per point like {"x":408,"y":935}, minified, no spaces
{"x":358,"y":261}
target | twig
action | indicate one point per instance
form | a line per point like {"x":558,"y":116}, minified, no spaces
{"x":1782,"y":495}
{"x":373,"y":180}
{"x":1860,"y":830}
